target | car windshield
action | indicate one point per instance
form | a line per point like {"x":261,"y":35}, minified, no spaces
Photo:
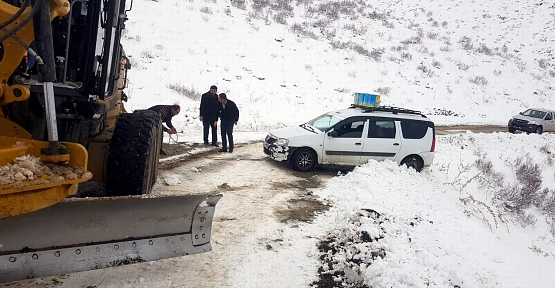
{"x":534,"y":113}
{"x":324,"y":122}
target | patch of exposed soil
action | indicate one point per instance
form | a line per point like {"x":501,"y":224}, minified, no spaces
{"x":451,"y":129}
{"x":303,"y":209}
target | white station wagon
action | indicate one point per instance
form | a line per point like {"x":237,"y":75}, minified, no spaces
{"x":355,"y":135}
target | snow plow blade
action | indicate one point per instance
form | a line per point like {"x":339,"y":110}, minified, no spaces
{"x":94,"y":233}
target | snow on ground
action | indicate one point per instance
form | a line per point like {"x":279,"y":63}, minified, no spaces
{"x":393,"y":227}
{"x":459,"y":62}
{"x":424,"y":235}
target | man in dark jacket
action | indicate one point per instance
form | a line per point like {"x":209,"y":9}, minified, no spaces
{"x":209,"y":114}
{"x":166,"y":113}
{"x":229,"y":115}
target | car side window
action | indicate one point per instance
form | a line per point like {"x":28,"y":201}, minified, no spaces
{"x":549,"y":116}
{"x":381,"y":129}
{"x":350,"y":130}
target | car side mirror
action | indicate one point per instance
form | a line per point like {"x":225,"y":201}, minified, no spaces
{"x":332,"y":133}
{"x":520,"y":113}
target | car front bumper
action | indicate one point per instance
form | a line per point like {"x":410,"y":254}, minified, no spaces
{"x":278,"y":153}
{"x":531,"y":128}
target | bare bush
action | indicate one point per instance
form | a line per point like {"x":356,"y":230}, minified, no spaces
{"x":412,"y":40}
{"x":444,"y":24}
{"x":376,"y":54}
{"x":308,"y":67}
{"x":398,"y":48}
{"x":543,"y":63}
{"x":552,"y":73}
{"x":239,"y":4}
{"x":425,"y":70}
{"x":432,"y":35}
{"x":300,"y":30}
{"x":484,"y":50}
{"x":147,"y":54}
{"x":496,"y":72}
{"x":206,"y":10}
{"x":353,"y":74}
{"x":479,"y":80}
{"x":466,"y":43}
{"x":259,"y":5}
{"x":190,"y":93}
{"x":435,"y":24}
{"x":521,"y":65}
{"x":377,"y":16}
{"x":383,"y":91}
{"x":521,"y":195}
{"x":463,"y":66}
{"x":388,"y":24}
{"x":281,"y":17}
{"x":436,"y":64}
{"x":339,"y":45}
{"x":360,"y":50}
{"x":446,"y":48}
{"x":406,"y":56}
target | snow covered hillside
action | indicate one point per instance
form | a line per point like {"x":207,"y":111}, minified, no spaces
{"x":286,"y":61}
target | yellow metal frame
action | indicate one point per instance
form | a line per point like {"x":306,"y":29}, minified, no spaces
{"x":14,"y":53}
{"x":29,"y":196}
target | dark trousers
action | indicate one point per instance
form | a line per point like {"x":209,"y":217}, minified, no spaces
{"x":227,"y":130}
{"x":207,"y":125}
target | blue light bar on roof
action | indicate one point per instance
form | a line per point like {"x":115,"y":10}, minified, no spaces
{"x":366,"y":100}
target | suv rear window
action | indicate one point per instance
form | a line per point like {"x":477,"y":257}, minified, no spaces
{"x":414,"y":129}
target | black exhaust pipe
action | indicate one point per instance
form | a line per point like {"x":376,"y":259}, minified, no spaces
{"x":44,"y":42}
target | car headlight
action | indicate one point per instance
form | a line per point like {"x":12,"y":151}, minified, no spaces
{"x":282,"y":142}
{"x":532,"y":122}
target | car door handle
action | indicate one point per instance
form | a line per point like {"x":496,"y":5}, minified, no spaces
{"x":395,"y":144}
{"x":358,"y":143}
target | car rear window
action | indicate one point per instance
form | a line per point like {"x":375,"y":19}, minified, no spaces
{"x":414,"y":129}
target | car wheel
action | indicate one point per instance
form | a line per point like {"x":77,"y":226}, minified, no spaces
{"x":413,"y":162}
{"x":303,"y":159}
{"x":512,"y":130}
{"x":539,"y":130}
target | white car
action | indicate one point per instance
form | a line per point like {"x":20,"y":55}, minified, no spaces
{"x":355,"y":135}
{"x":533,"y":121}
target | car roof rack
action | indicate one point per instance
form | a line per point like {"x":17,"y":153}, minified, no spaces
{"x":392,"y":109}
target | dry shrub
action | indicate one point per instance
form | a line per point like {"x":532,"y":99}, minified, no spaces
{"x":190,"y":93}
{"x":479,"y":80}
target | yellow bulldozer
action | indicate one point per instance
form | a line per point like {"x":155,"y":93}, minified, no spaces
{"x":63,"y":72}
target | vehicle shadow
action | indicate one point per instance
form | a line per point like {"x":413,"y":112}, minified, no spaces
{"x":321,"y":170}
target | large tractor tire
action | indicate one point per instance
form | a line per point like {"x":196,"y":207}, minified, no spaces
{"x":134,"y":154}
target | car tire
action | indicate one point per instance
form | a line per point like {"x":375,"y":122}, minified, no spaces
{"x":303,"y":159}
{"x":512,"y":130}
{"x":413,"y":162}
{"x":539,"y":130}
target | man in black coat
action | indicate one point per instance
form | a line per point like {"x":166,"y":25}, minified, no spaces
{"x":166,"y":113}
{"x":229,"y":115}
{"x":209,"y":114}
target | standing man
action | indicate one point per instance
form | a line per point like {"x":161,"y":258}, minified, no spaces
{"x":229,"y":115}
{"x":166,"y":113}
{"x":209,"y":114}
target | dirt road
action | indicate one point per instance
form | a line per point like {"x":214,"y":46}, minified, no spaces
{"x":258,"y":193}
{"x":444,"y":130}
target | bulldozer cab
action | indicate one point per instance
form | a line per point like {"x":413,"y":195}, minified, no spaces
{"x":63,"y":72}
